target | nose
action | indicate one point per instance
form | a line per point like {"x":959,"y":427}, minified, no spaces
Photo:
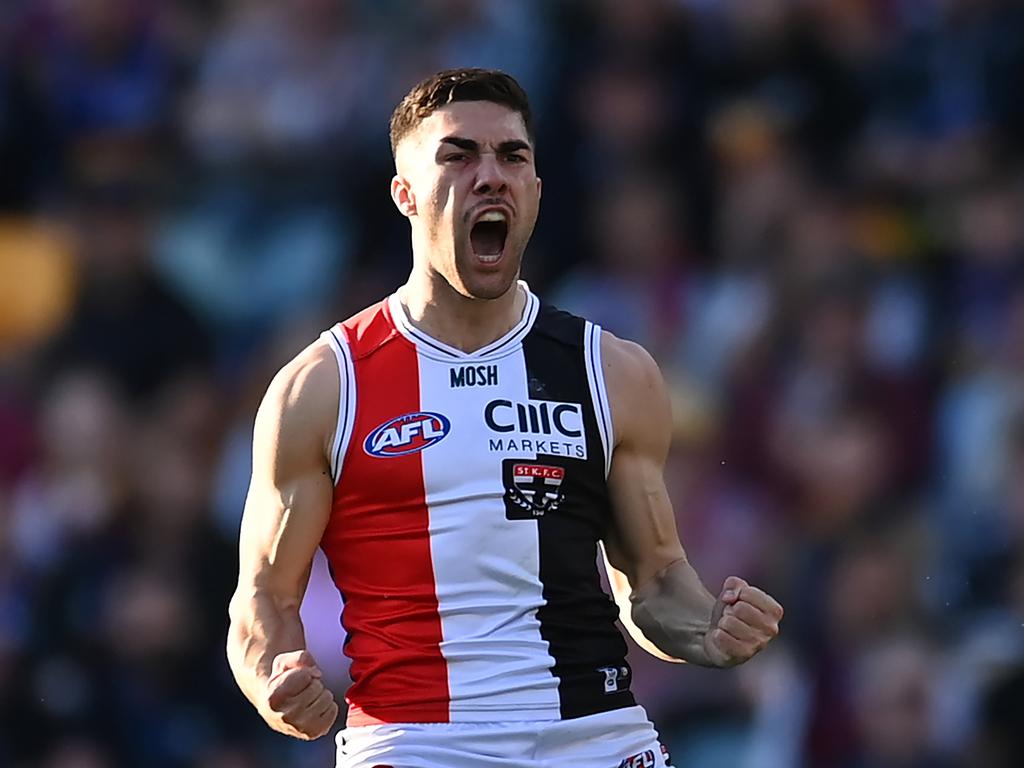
{"x":490,"y":177}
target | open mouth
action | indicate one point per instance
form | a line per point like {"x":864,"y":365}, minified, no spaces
{"x":488,"y":235}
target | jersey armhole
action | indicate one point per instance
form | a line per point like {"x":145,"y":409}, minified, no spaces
{"x":346,"y":399}
{"x":598,"y":391}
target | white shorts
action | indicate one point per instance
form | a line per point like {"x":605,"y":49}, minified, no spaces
{"x":619,"y":738}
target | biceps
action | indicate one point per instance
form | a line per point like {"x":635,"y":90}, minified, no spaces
{"x":643,"y":538}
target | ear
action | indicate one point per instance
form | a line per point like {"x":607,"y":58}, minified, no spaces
{"x":539,"y":185}
{"x":401,"y":194}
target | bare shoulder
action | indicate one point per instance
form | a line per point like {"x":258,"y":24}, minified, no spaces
{"x":627,"y":364}
{"x":301,"y":403}
{"x":636,"y":390}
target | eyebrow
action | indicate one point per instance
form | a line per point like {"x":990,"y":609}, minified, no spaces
{"x":504,"y":148}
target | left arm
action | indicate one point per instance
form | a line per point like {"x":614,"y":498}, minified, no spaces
{"x":670,"y":612}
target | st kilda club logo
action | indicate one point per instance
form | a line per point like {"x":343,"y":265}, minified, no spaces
{"x":531,"y":489}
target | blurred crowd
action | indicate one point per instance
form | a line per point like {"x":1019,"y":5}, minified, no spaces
{"x":810,"y":211}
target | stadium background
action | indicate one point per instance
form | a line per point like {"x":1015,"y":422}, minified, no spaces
{"x":812,"y":212}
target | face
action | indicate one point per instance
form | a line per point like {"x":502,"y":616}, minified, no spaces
{"x":468,"y":184}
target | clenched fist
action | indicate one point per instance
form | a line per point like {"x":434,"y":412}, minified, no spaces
{"x":296,"y":702}
{"x":744,"y":621}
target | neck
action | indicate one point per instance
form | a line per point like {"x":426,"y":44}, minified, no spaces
{"x":465,"y":323}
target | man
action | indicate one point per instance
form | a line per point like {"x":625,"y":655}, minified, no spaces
{"x":460,"y":452}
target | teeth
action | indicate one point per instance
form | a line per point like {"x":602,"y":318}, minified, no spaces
{"x":488,"y":259}
{"x":493,"y":216}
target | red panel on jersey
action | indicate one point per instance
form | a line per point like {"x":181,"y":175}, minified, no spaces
{"x":377,"y":540}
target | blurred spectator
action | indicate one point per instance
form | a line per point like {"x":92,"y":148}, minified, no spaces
{"x":247,"y":257}
{"x":279,"y":83}
{"x":893,"y":700}
{"x":78,"y":485}
{"x":102,"y":79}
{"x":273,"y":120}
{"x":108,"y":72}
{"x":442,"y":34}
{"x":988,"y":235}
{"x":124,"y":321}
{"x":639,"y":252}
{"x":987,"y":656}
{"x":979,"y":449}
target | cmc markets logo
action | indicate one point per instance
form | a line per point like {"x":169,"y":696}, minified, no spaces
{"x":536,"y":417}
{"x":406,"y":434}
{"x":538,"y":427}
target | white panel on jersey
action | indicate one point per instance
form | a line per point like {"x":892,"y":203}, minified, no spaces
{"x":598,"y":393}
{"x":486,"y":566}
{"x":346,"y":398}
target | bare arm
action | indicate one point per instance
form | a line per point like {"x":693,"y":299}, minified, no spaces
{"x":665,"y":607}
{"x":286,"y":511}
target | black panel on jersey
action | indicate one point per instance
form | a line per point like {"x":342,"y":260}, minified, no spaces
{"x":572,"y":511}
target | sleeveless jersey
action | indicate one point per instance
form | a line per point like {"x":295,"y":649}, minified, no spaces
{"x":470,"y":496}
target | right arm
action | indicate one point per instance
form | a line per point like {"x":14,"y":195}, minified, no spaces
{"x":286,"y":512}
{"x":665,"y":605}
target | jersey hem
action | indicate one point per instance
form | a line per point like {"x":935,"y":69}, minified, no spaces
{"x":390,"y":715}
{"x":357,"y":716}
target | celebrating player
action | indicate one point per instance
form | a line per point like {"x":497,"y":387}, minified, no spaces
{"x":461,"y":452}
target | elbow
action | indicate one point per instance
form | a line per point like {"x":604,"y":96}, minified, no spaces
{"x":240,"y":624}
{"x":237,"y":634}
{"x":238,"y":607}
{"x":239,"y":612}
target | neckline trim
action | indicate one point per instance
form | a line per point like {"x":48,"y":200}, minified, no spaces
{"x":432,"y":347}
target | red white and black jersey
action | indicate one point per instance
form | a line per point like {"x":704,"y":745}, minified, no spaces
{"x":470,"y":494}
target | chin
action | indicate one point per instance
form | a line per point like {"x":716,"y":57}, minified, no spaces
{"x":489,"y":291}
{"x":487,"y":287}
{"x":487,"y":283}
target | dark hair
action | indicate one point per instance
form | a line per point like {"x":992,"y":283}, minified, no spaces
{"x":452,"y":85}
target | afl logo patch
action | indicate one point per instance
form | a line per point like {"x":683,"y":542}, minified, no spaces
{"x":406,"y":434}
